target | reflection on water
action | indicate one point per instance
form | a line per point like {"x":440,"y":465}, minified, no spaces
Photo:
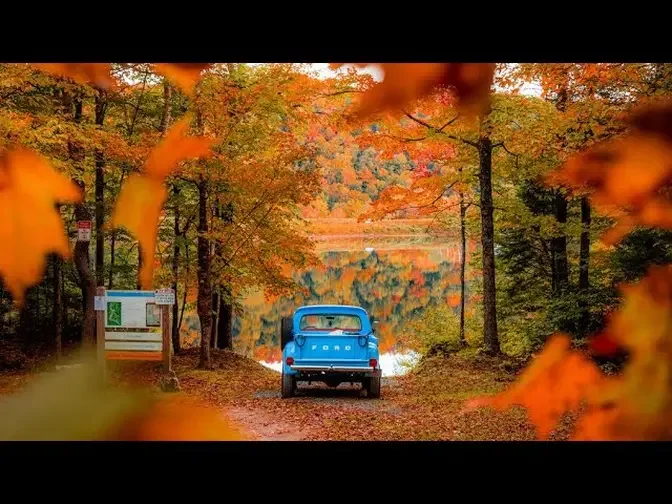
{"x":395,"y":285}
{"x":392,"y":364}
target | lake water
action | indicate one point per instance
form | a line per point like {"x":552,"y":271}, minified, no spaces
{"x":393,"y":279}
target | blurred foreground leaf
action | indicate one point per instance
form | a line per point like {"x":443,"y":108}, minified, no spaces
{"x":74,"y":404}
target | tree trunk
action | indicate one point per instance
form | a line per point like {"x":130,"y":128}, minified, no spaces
{"x":184,"y":305}
{"x":81,"y":253}
{"x":101,"y":107}
{"x":463,"y":264}
{"x":225,"y":326}
{"x":58,"y":304}
{"x":490,"y":336}
{"x":175,"y":270}
{"x":175,"y":266}
{"x":217,"y":305}
{"x":86,"y":278}
{"x":138,"y":286}
{"x":559,"y":243}
{"x":559,"y":246}
{"x":584,"y":257}
{"x":113,"y":242}
{"x":204,"y":301}
{"x":167,"y":98}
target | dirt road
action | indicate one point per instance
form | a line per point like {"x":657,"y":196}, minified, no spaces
{"x":263,"y":425}
{"x":427,"y":404}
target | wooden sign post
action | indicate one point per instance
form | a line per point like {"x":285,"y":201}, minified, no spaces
{"x":166,"y":330}
{"x":99,"y":306}
{"x":165,"y":298}
{"x":135,"y":325}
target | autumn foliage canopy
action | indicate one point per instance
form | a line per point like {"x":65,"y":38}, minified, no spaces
{"x":629,"y":175}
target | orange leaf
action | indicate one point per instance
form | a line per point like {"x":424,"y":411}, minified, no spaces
{"x":138,"y":209}
{"x":636,"y":404}
{"x":30,"y":226}
{"x":174,"y":148}
{"x":184,"y":75}
{"x":555,"y":382}
{"x":95,"y":73}
{"x":142,"y":197}
{"x":183,"y":420}
{"x":405,"y":82}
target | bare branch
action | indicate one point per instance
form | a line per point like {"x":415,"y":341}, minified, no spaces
{"x":420,"y":121}
{"x":440,"y":130}
{"x":404,"y":139}
{"x":341,"y":92}
{"x":501,"y":144}
{"x":449,"y":123}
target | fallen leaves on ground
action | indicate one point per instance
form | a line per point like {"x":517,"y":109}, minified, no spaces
{"x":142,"y":196}
{"x":184,"y":75}
{"x":405,"y":82}
{"x":30,"y":225}
{"x":631,"y":173}
{"x":425,"y":405}
{"x":97,"y":74}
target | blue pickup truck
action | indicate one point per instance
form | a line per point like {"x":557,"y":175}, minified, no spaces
{"x":331,"y":344}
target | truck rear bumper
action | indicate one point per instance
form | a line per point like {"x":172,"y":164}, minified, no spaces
{"x":311,"y":368}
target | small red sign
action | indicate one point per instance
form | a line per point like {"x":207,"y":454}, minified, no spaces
{"x":83,"y":230}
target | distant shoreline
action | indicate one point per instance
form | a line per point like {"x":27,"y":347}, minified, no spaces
{"x":324,"y":237}
{"x":321,"y":229}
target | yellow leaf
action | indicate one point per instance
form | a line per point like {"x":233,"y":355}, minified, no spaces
{"x":184,"y":75}
{"x":30,"y":226}
{"x":138,"y":209}
{"x":94,"y":73}
{"x":176,"y":147}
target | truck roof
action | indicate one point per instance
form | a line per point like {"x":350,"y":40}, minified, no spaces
{"x":334,"y":307}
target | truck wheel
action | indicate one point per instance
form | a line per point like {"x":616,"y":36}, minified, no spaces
{"x":288,"y":385}
{"x":373,"y":387}
{"x":286,"y":330}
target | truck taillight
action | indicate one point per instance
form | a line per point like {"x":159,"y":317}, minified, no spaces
{"x":290,"y":361}
{"x":373,"y":363}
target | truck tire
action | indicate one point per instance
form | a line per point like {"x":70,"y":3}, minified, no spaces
{"x":286,"y":331}
{"x":288,"y":385}
{"x":373,"y":387}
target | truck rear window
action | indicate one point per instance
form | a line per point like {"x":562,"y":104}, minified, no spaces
{"x":330,"y":323}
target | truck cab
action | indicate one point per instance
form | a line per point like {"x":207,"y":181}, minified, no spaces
{"x":331,"y":344}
